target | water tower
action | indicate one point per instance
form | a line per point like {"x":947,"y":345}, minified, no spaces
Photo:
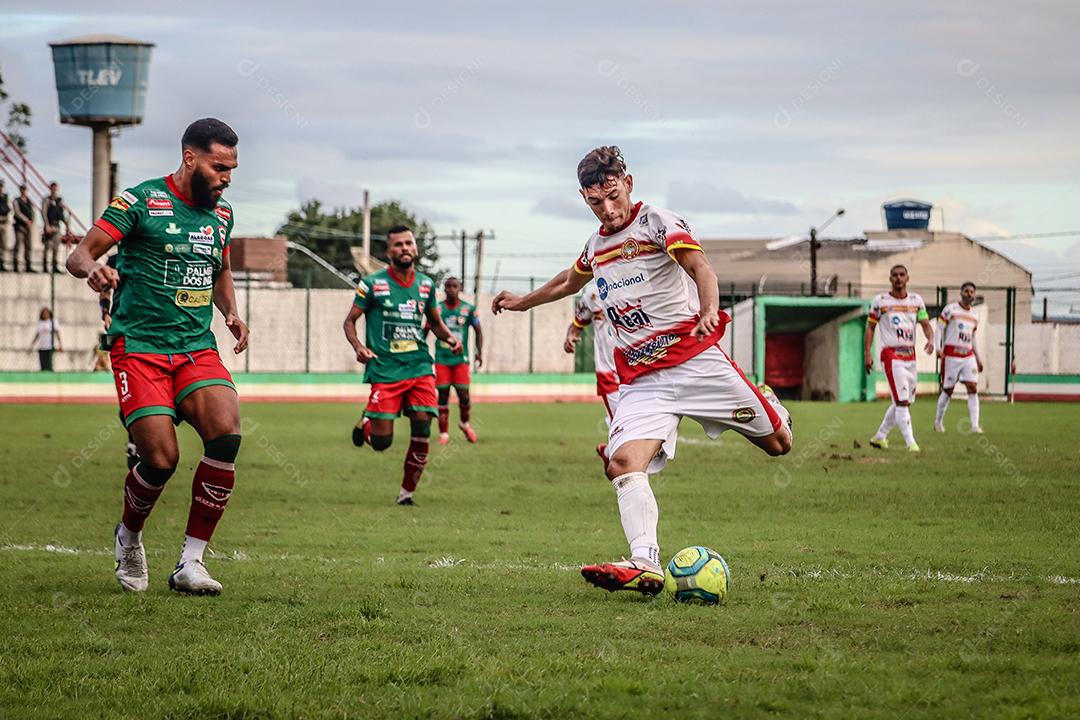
{"x":907,"y":215}
{"x":101,"y":82}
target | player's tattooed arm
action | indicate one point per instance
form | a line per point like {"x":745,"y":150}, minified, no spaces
{"x":479,"y":340}
{"x":435,"y":322}
{"x":82,"y":263}
{"x":928,"y":331}
{"x":868,"y":342}
{"x":697,"y":266}
{"x":363,"y":352}
{"x":573,"y":334}
{"x":566,"y":283}
{"x":225,"y":301}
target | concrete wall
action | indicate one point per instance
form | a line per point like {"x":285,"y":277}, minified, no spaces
{"x":741,"y":335}
{"x":283,"y":339}
{"x":1048,"y":348}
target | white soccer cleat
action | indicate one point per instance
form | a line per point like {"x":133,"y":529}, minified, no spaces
{"x":977,"y":430}
{"x":938,"y":427}
{"x":130,"y":565}
{"x":192,"y":578}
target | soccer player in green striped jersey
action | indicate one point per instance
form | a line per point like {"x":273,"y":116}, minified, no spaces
{"x":452,"y":370}
{"x":395,"y":303}
{"x":172,"y":270}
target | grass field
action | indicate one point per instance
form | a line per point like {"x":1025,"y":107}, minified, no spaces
{"x":865,"y":584}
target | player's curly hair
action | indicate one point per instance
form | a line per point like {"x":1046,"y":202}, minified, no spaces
{"x":600,"y":164}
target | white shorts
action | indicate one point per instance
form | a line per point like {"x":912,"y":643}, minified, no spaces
{"x":611,"y":402}
{"x":959,"y":369}
{"x":708,"y":388}
{"x":903,"y":376}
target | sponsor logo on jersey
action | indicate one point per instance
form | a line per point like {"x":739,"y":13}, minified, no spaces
{"x":159,"y":213}
{"x":630,"y":318}
{"x":204,"y":235}
{"x":605,"y":288}
{"x":168,"y":247}
{"x":120,"y":204}
{"x":159,"y":203}
{"x":743,"y":415}
{"x":223,"y":212}
{"x":202,"y":249}
{"x":155,"y":193}
{"x":129,"y":197}
{"x":649,"y":352}
{"x":172,"y":229}
{"x":381,"y":288}
{"x":630,"y":249}
{"x":684,"y":225}
{"x":192,"y":298}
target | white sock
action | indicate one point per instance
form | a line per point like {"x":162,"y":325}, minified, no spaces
{"x":973,"y":409}
{"x":903,"y":421}
{"x":193,"y":549}
{"x":129,"y":537}
{"x":887,"y":423}
{"x":403,"y":494}
{"x":639,"y":514}
{"x":942,"y":405}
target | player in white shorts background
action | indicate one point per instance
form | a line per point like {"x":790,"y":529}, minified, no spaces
{"x":589,"y":311}
{"x":660,"y":295}
{"x":895,"y":314}
{"x":960,"y":356}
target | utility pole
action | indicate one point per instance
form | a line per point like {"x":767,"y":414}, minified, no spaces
{"x":814,"y":244}
{"x":464,"y":243}
{"x":479,"y":260}
{"x":367,"y":229}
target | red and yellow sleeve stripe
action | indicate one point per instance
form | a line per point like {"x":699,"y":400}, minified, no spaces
{"x":680,"y":241}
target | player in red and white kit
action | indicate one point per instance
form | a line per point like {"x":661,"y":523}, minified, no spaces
{"x":960,"y":356}
{"x":589,"y":311}
{"x":660,"y":295}
{"x":895,"y":314}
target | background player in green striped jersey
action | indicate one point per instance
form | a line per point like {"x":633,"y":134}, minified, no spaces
{"x":396,"y":302}
{"x":453,"y":369}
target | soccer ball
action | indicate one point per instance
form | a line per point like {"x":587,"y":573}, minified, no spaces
{"x":697,"y":575}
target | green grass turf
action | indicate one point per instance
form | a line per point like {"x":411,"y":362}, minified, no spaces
{"x":865,"y":583}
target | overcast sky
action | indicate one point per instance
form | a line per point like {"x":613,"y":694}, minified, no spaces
{"x":754,"y":119}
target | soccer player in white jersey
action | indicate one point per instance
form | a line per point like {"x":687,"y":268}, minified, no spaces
{"x":960,"y":355}
{"x":589,"y":311}
{"x":661,"y":297}
{"x":895,"y":315}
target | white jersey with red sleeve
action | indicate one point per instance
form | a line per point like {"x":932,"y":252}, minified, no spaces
{"x":589,"y":311}
{"x":958,"y":338}
{"x":896,"y":319}
{"x":650,"y":301}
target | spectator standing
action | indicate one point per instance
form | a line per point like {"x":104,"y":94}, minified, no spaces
{"x":5,"y":214}
{"x":53,"y":214}
{"x":47,"y":339}
{"x":24,"y":223}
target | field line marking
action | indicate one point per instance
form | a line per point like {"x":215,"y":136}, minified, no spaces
{"x":449,"y":562}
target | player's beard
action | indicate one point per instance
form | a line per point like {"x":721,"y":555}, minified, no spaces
{"x":202,"y":192}
{"x":402,"y":265}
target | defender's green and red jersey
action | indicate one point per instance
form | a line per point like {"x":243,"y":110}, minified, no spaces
{"x":170,"y":254}
{"x":459,"y":319}
{"x":394,"y":319}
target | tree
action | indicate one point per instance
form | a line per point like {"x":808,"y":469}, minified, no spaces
{"x":18,"y":119}
{"x":330,"y":234}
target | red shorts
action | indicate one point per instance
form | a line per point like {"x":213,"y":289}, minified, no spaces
{"x":457,"y":375}
{"x":387,"y":400}
{"x":153,"y":384}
